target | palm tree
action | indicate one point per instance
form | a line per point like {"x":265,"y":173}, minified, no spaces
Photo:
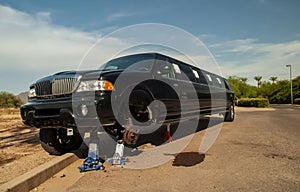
{"x":273,"y":79}
{"x":258,"y":79}
{"x":244,"y":79}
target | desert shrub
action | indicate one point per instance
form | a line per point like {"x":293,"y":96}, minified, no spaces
{"x":253,"y":102}
{"x":8,"y":100}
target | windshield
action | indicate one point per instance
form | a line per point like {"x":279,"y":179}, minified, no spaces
{"x":141,"y":62}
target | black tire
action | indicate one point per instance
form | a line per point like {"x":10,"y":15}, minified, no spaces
{"x":139,"y":102}
{"x":56,"y":141}
{"x":230,"y":113}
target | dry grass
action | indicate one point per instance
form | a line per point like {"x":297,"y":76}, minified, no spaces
{"x":9,"y":111}
{"x":19,"y":146}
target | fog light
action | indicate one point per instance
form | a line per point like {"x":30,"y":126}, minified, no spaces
{"x":84,"y":110}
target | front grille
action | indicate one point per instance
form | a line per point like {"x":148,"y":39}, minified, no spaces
{"x":43,"y":88}
{"x":62,"y":86}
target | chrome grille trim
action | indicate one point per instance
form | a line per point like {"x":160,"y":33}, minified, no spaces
{"x":63,"y":86}
{"x":43,"y":88}
{"x":58,"y":87}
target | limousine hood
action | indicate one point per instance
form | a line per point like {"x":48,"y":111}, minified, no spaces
{"x":90,"y":74}
{"x":64,"y":83}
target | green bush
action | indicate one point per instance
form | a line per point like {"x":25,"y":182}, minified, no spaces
{"x":253,"y":102}
{"x":297,"y":101}
{"x":8,"y":100}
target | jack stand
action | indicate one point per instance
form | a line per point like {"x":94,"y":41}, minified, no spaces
{"x":92,"y":162}
{"x":118,"y":158}
{"x":168,"y":137}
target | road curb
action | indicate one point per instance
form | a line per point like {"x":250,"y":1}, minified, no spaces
{"x":38,"y":175}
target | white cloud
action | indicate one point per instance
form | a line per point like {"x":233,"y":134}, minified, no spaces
{"x":239,"y":45}
{"x":204,"y":37}
{"x":117,"y":16}
{"x":31,"y":47}
{"x":248,"y":57}
{"x":34,"y":42}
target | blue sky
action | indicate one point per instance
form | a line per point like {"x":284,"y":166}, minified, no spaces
{"x":247,"y":38}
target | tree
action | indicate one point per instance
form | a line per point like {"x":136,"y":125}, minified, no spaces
{"x":273,"y":79}
{"x":258,"y":79}
{"x":241,"y":88}
{"x":296,"y":87}
{"x":278,"y":92}
{"x":244,"y":79}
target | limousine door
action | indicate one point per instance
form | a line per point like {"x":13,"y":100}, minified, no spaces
{"x":168,"y":90}
{"x":217,"y":89}
{"x":194,"y":89}
{"x":203,"y":91}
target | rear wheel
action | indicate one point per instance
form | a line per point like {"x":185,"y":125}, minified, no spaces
{"x":56,"y":141}
{"x":229,"y":115}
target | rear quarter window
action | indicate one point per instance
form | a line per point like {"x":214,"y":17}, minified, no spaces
{"x":214,"y":80}
{"x":218,"y":82}
{"x":227,"y":85}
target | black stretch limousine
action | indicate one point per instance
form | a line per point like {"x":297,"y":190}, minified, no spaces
{"x":65,"y":102}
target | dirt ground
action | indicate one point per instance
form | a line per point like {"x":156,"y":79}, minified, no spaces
{"x":259,"y":151}
{"x":19,"y":146}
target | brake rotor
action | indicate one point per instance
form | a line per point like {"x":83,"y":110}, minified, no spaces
{"x":130,"y":136}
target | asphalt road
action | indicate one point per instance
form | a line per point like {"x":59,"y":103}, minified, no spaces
{"x":259,"y":151}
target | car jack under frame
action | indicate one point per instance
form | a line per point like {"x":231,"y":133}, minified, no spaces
{"x":94,"y":162}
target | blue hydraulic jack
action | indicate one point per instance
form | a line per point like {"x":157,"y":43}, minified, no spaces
{"x":93,"y":161}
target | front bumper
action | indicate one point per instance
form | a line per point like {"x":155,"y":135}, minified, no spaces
{"x":67,"y":112}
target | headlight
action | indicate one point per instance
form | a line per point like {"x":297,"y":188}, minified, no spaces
{"x":95,"y":85}
{"x":31,"y":93}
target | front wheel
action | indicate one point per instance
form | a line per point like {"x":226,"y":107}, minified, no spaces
{"x":56,"y":141}
{"x":139,"y":102}
{"x":143,"y":115}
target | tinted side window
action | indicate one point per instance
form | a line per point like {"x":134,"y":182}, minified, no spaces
{"x":199,"y":76}
{"x":218,"y":82}
{"x":176,"y":70}
{"x":208,"y":78}
{"x":188,"y":72}
{"x":163,"y":68}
